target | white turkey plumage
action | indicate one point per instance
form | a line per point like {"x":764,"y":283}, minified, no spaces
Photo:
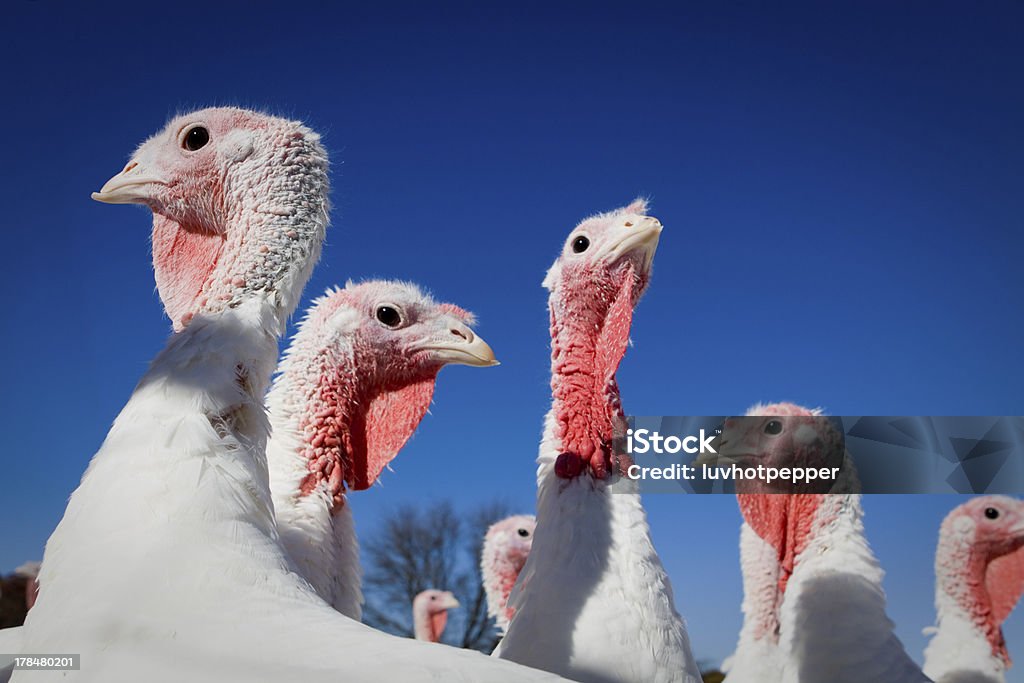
{"x":593,"y":602}
{"x":167,"y":565}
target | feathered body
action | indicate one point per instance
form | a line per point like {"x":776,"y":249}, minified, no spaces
{"x":823,"y":618}
{"x":757,"y":656}
{"x":594,"y":602}
{"x":349,"y":394}
{"x":979,"y":572}
{"x":167,"y":565}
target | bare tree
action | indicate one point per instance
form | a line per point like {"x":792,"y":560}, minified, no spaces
{"x":414,"y":549}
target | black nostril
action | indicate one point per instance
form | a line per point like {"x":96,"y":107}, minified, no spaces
{"x":459,"y":333}
{"x":130,"y":166}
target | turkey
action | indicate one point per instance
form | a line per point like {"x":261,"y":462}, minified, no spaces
{"x":593,"y":602}
{"x":430,"y":614}
{"x":354,"y":384}
{"x":29,"y":571}
{"x":167,"y":564}
{"x":814,"y":608}
{"x":979,"y":577}
{"x":506,"y":546}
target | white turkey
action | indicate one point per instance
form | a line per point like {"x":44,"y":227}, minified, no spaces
{"x":979,"y":578}
{"x":354,"y":384}
{"x":594,"y":602}
{"x":506,"y":546}
{"x":430,"y":614}
{"x":814,"y":607}
{"x":167,"y":565}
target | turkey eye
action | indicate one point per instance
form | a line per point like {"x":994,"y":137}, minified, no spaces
{"x":433,"y":597}
{"x":389,"y":316}
{"x":524,"y":533}
{"x":580,"y":244}
{"x":196,"y":138}
{"x":773,"y":427}
{"x":991,"y":513}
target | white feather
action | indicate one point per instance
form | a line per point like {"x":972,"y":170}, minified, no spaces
{"x":594,"y":602}
{"x":834,"y":627}
{"x":167,"y":565}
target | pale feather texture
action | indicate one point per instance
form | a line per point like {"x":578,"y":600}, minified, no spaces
{"x":11,"y":642}
{"x":594,"y":602}
{"x":829,"y":624}
{"x":203,"y":590}
{"x":167,"y":564}
{"x":323,"y":546}
{"x":979,"y":571}
{"x":757,"y":656}
{"x":833,"y":622}
{"x":342,"y":364}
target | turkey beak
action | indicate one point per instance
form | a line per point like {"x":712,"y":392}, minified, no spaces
{"x":133,"y":185}
{"x":455,"y":343}
{"x":639,"y":234}
{"x":449,"y":602}
{"x":729,"y":451}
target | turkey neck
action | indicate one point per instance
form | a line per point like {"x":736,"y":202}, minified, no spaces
{"x":586,"y":348}
{"x":962,"y":594}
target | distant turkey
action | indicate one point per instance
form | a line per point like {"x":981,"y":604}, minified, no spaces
{"x":979,"y":578}
{"x":506,"y":546}
{"x":430,"y":614}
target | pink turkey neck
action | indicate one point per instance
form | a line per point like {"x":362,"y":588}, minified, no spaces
{"x":586,"y":348}
{"x":341,"y":431}
{"x":430,"y":625}
{"x":962,"y":571}
{"x":184,"y":258}
{"x":506,"y":572}
{"x":786,"y":522}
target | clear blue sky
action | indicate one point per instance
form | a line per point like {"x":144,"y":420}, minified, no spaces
{"x":841,"y":185}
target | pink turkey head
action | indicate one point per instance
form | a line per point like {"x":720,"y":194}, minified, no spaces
{"x":507,"y":545}
{"x":509,"y":540}
{"x":240,"y":207}
{"x":594,"y":284}
{"x":980,"y":562}
{"x":786,"y":435}
{"x":430,"y":613}
{"x":781,"y":435}
{"x":364,"y":363}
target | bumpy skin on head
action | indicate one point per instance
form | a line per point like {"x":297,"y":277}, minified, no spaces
{"x":168,"y":556}
{"x":353,"y":386}
{"x":979,"y":571}
{"x":239,"y":208}
{"x":597,"y":280}
{"x":506,"y":546}
{"x":430,"y":614}
{"x":593,"y":602}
